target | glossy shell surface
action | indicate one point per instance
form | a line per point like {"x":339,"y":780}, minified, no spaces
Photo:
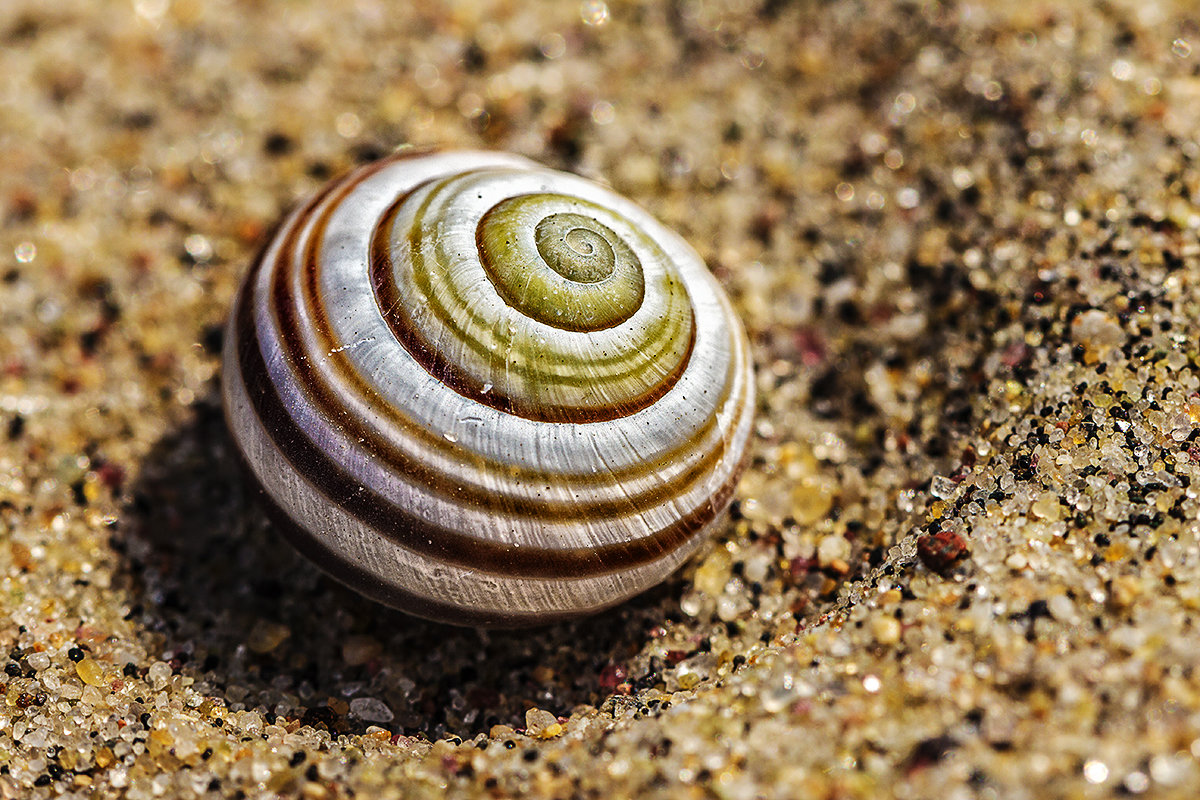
{"x":487,"y":392}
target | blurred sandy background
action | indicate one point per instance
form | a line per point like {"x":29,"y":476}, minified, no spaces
{"x":964,"y":562}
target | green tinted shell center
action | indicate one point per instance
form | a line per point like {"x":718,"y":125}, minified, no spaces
{"x":562,"y":268}
{"x":576,"y":247}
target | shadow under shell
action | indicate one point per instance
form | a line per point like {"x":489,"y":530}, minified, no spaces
{"x":257,"y":624}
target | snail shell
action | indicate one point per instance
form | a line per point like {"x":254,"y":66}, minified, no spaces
{"x":486,"y":392}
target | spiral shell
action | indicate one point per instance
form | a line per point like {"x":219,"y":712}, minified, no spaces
{"x":486,"y":392}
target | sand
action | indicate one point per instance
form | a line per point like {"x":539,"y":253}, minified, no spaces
{"x":964,"y":561}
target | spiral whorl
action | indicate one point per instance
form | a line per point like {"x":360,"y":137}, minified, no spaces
{"x":487,"y":392}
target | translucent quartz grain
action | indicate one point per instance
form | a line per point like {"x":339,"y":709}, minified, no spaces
{"x":90,"y":672}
